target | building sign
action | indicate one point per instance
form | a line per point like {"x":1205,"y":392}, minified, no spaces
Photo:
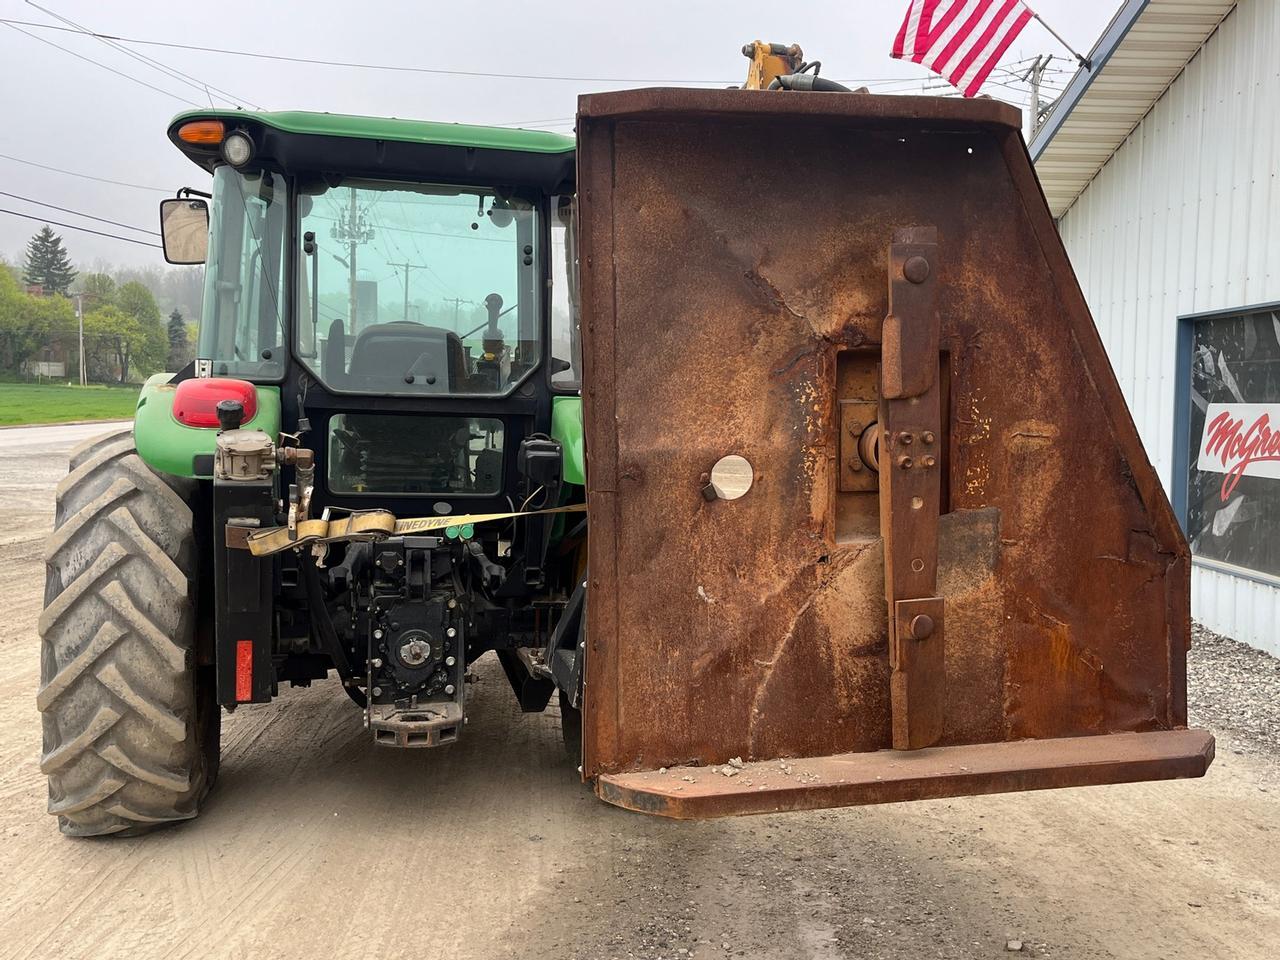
{"x":1233,"y":493}
{"x":1241,"y":440}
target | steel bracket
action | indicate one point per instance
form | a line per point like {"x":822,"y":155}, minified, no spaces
{"x":856,"y":473}
{"x":910,"y":489}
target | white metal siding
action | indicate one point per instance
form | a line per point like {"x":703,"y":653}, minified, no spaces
{"x":1159,"y":42}
{"x":1237,"y":607}
{"x":1185,"y":218}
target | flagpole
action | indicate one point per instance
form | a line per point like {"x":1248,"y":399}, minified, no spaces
{"x":1084,"y":61}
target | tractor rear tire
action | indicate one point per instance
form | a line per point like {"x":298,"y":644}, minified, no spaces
{"x":131,"y":724}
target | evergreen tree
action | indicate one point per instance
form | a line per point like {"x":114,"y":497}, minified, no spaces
{"x":179,"y":348}
{"x":47,"y":263}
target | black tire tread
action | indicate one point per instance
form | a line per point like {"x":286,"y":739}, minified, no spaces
{"x":122,"y":749}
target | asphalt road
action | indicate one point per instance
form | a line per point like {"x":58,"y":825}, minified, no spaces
{"x":316,"y":843}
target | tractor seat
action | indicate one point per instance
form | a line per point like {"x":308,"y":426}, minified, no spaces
{"x":388,"y":352}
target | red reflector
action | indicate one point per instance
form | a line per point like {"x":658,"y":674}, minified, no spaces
{"x":244,"y":670}
{"x":195,"y":402}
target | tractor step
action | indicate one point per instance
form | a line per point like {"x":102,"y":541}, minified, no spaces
{"x":886,"y":776}
{"x":420,"y":725}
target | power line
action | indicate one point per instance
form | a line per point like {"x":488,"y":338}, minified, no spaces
{"x":87,"y":216}
{"x":71,"y":226}
{"x":84,"y":176}
{"x":176,"y":74}
{"x":395,"y":68}
{"x":424,"y":233}
{"x":98,"y":63}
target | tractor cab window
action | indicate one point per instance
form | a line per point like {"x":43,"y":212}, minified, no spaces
{"x":566,"y":333}
{"x":409,"y":454}
{"x":242,"y":332}
{"x":417,"y":289}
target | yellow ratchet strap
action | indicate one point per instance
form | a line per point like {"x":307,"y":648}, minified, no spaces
{"x":374,"y":525}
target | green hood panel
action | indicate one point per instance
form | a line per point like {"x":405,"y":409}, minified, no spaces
{"x":171,"y":447}
{"x":566,"y":426}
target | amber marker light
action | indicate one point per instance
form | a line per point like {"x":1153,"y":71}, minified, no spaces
{"x":206,"y":133}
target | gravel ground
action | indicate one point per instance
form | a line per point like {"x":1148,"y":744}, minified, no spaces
{"x":1234,"y":688}
{"x":317,"y":843}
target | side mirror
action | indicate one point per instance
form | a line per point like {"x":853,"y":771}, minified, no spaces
{"x":184,"y":229}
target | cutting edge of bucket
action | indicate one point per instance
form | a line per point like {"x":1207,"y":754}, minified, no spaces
{"x":887,"y":776}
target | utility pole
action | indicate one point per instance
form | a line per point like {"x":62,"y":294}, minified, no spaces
{"x":407,"y":267}
{"x":352,"y":230}
{"x":351,"y":259}
{"x":457,"y":302}
{"x":1035,"y":74}
{"x":80,"y":321}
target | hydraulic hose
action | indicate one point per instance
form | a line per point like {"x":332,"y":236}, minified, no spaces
{"x":807,"y":81}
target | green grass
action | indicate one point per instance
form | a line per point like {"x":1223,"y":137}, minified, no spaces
{"x":57,"y":403}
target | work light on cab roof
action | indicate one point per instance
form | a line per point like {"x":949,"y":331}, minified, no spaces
{"x":236,"y":146}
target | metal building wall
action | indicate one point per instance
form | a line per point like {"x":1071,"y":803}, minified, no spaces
{"x":1185,"y":219}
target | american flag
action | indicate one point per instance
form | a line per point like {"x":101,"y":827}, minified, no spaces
{"x":962,"y":40}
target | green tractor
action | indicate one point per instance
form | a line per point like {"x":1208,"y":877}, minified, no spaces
{"x":401,"y":335}
{"x":869,"y":520}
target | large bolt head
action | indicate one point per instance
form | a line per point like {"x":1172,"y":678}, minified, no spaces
{"x":415,"y":653}
{"x":921,"y":627}
{"x":916,"y":269}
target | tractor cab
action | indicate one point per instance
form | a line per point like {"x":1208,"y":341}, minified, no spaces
{"x":403,"y":295}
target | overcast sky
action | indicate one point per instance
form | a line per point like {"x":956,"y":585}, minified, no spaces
{"x":64,"y":112}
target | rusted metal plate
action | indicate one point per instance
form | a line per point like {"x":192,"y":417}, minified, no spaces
{"x":909,"y":337}
{"x":237,"y":534}
{"x":917,"y":684}
{"x":911,"y":488}
{"x":856,"y":473}
{"x":887,"y":776}
{"x":732,"y":297}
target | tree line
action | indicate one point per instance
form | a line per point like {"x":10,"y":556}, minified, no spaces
{"x":126,"y":336}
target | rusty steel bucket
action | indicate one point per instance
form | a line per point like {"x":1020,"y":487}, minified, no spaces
{"x":870,"y":520}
